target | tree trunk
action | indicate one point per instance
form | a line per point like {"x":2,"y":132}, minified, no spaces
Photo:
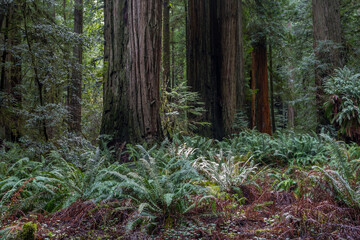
{"x":166,"y":45}
{"x":213,"y":60}
{"x":260,"y":75}
{"x":172,"y":83}
{"x":203,"y":66}
{"x":327,"y":38}
{"x":253,"y":93}
{"x":230,"y":61}
{"x":132,"y":80}
{"x":273,"y":123}
{"x":240,"y":86}
{"x":75,"y":86}
{"x":291,"y":108}
{"x":10,"y":76}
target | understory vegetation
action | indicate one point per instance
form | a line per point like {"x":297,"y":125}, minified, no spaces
{"x":251,"y":186}
{"x":179,"y":119}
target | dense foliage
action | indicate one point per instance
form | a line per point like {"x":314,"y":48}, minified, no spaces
{"x":168,"y":184}
{"x":57,"y":183}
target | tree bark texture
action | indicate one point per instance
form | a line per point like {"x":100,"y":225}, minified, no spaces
{"x":230,"y":61}
{"x":273,"y":122}
{"x":260,"y":77}
{"x":10,"y":73}
{"x":213,"y":60}
{"x":75,"y":85}
{"x":132,"y":81}
{"x":203,"y":66}
{"x":166,"y":45}
{"x":253,"y":93}
{"x":240,"y":86}
{"x":326,"y":28}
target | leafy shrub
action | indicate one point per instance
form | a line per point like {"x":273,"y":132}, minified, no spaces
{"x":346,"y":178}
{"x":53,"y":183}
{"x":342,"y":106}
{"x":161,"y":188}
{"x":241,"y":122}
{"x":183,"y":114}
{"x":284,"y":148}
{"x":228,"y":172}
{"x":347,"y":191}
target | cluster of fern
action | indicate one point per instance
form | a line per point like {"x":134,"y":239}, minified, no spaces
{"x":342,"y":106}
{"x":165,"y":182}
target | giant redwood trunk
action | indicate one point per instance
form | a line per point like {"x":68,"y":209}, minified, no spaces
{"x":132,"y":80}
{"x":75,"y":86}
{"x":240,"y":86}
{"x":10,"y":72}
{"x":166,"y":45}
{"x":230,"y":61}
{"x":203,"y":61}
{"x":213,"y":60}
{"x":327,"y":38}
{"x":260,"y":81}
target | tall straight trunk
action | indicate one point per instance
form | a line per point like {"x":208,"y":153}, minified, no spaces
{"x":253,"y":93}
{"x":273,"y":123}
{"x":203,"y":61}
{"x":327,"y":31}
{"x":172,"y":83}
{"x":212,"y":60}
{"x":166,"y":45}
{"x":230,"y":61}
{"x":260,"y":76}
{"x":291,"y":108}
{"x":240,"y":85}
{"x":75,"y":86}
{"x":132,"y":80}
{"x":10,"y":76}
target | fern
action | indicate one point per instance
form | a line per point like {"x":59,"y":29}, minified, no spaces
{"x":342,"y":105}
{"x":159,"y":187}
{"x":346,"y":192}
{"x":228,"y":172}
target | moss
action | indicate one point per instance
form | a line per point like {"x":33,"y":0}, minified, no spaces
{"x":28,"y":231}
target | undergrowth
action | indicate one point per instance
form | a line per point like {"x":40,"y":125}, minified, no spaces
{"x":174,"y":187}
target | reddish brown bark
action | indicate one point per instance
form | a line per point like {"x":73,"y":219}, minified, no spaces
{"x":240,"y":86}
{"x":166,"y":45}
{"x":260,"y":75}
{"x":132,"y":81}
{"x":229,"y":62}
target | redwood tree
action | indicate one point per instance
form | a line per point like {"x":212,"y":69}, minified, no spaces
{"x":166,"y":44}
{"x":259,"y":31}
{"x":260,"y":82}
{"x":132,"y":79}
{"x":75,"y":85}
{"x":327,"y":39}
{"x":213,"y":60}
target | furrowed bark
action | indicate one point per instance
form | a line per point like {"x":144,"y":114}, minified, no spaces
{"x":132,"y":79}
{"x":260,"y":75}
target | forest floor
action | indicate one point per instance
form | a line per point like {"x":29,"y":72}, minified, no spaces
{"x":265,"y":215}
{"x":253,"y":186}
